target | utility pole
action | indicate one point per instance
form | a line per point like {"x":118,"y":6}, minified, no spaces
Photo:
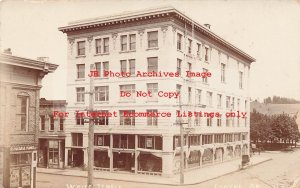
{"x":181,"y":147}
{"x":91,"y":133}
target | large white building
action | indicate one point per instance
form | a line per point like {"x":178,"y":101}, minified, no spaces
{"x":165,"y":40}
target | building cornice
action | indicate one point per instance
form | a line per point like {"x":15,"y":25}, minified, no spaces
{"x":27,"y":63}
{"x":122,"y":19}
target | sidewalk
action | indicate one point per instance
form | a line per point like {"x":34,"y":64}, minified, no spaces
{"x":191,"y":177}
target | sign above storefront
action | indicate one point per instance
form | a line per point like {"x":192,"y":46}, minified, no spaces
{"x":23,"y":148}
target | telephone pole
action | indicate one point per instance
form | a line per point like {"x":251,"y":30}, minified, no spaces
{"x":91,"y":134}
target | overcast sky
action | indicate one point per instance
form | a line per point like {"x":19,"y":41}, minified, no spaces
{"x":267,"y":30}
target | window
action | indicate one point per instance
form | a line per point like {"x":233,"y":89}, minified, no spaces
{"x":43,"y":120}
{"x":152,"y":64}
{"x":179,"y":66}
{"x":198,"y":96}
{"x":238,"y":104}
{"x":61,"y":124}
{"x":178,"y":90}
{"x":102,"y":140}
{"x":132,"y":42}
{"x":209,"y":98}
{"x":123,"y":141}
{"x":106,"y":45}
{"x":98,"y":46}
{"x":102,"y":119}
{"x":80,"y":71}
{"x":105,"y":67}
{"x":227,"y":102}
{"x":198,"y":50}
{"x":218,"y":138}
{"x":190,"y":46}
{"x":219,"y":121}
{"x":204,"y":79}
{"x":123,"y":66}
{"x":98,"y":68}
{"x":79,"y":121}
{"x":207,"y":139}
{"x":219,"y":101}
{"x":189,"y":67}
{"x":152,"y":121}
{"x":241,"y":80}
{"x":101,"y":93}
{"x":102,"y":44}
{"x":150,"y":142}
{"x":208,"y":121}
{"x":228,"y":138}
{"x":22,"y":113}
{"x":228,"y":121}
{"x":189,"y":94}
{"x":81,"y":48}
{"x":51,"y":125}
{"x":20,"y":159}
{"x":206,"y":49}
{"x":77,"y":139}
{"x":124,"y":43}
{"x":179,"y":39}
{"x":232,"y":104}
{"x":80,"y":94}
{"x":153,"y":89}
{"x":222,"y":72}
{"x":53,"y":152}
{"x":197,"y":120}
{"x":125,"y":118}
{"x":130,"y":88}
{"x":131,"y":66}
{"x":189,"y":119}
{"x":152,"y":39}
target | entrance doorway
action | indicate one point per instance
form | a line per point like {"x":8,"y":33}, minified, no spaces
{"x":123,"y":162}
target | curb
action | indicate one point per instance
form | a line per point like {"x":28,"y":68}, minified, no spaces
{"x":170,"y":184}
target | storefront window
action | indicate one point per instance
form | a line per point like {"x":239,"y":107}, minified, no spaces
{"x":53,"y":152}
{"x":20,"y":159}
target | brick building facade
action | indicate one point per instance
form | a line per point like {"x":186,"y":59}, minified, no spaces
{"x":51,"y":149}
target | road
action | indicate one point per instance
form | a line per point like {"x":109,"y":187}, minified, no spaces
{"x":280,"y":172}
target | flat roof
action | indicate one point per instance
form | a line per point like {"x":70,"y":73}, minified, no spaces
{"x":146,"y":14}
{"x":28,"y":63}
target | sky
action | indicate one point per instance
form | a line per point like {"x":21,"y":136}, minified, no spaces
{"x":268,"y":30}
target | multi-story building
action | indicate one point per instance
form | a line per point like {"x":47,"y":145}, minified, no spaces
{"x":51,"y":133}
{"x":167,"y":42}
{"x":20,"y":83}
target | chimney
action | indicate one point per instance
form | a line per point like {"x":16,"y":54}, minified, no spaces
{"x":207,"y":25}
{"x":43,"y":59}
{"x":7,"y":51}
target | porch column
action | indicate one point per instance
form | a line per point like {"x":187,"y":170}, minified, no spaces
{"x":59,"y":154}
{"x":135,"y":154}
{"x":167,"y":155}
{"x":202,"y":151}
{"x":66,"y":157}
{"x":213,"y":155}
{"x":111,"y":162}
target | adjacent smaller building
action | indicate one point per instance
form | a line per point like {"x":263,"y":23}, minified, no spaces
{"x":51,"y":134}
{"x":20,"y":84}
